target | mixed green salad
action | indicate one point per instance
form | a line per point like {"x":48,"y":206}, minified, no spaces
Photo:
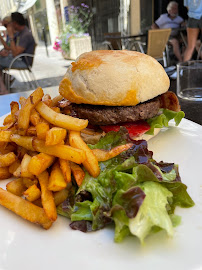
{"x":133,"y":191}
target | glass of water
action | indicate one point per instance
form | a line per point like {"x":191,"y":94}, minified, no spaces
{"x":189,"y":80}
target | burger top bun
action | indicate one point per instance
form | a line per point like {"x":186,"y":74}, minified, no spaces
{"x":113,"y":78}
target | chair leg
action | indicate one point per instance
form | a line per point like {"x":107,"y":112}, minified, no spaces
{"x":28,"y":79}
{"x":7,"y":78}
{"x":24,"y":78}
{"x":34,"y":79}
{"x":167,"y":55}
{"x":140,"y":46}
{"x":164,"y":60}
{"x":199,"y":52}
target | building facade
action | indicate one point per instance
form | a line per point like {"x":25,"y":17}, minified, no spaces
{"x":127,"y":17}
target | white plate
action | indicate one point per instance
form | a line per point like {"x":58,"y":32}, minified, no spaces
{"x":27,"y":246}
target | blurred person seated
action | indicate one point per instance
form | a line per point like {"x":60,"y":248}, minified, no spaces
{"x":24,"y":44}
{"x":171,"y":20}
{"x":6,"y":43}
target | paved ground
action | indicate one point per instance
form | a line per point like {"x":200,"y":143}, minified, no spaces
{"x":48,"y":70}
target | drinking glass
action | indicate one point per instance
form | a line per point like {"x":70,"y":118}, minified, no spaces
{"x":189,"y":80}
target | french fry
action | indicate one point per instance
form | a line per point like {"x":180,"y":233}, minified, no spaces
{"x":38,"y":203}
{"x":56,"y":109}
{"x":56,"y":99}
{"x":47,"y":197}
{"x":41,"y":130}
{"x":22,"y":101}
{"x":40,"y":163}
{"x":29,"y":182}
{"x":60,"y":196}
{"x":8,"y":119}
{"x":61,"y":151}
{"x":14,"y":107}
{"x":103,"y":155}
{"x":5,"y":135}
{"x":91,"y":162}
{"x":47,"y":100}
{"x":31,"y":131}
{"x":7,"y":126}
{"x":56,"y":180}
{"x":24,"y":141}
{"x":3,"y":145}
{"x":4,"y":173}
{"x":16,"y":187}
{"x":14,"y":110}
{"x":32,"y":193}
{"x":13,"y":167}
{"x":7,"y":149}
{"x":7,"y":159}
{"x":21,"y":151}
{"x":78,"y":173}
{"x":24,"y":167}
{"x":34,"y":117}
{"x":66,"y":170}
{"x":60,"y":120}
{"x":55,"y":136}
{"x":24,"y":208}
{"x":24,"y":114}
{"x":17,"y":172}
{"x":32,"y":153}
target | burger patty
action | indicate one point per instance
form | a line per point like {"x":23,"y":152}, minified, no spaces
{"x":108,"y":115}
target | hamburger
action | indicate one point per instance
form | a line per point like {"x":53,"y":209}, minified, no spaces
{"x":118,"y":88}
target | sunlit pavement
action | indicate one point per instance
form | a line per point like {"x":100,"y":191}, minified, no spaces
{"x":48,"y":70}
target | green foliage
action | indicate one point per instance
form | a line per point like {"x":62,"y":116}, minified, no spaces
{"x":80,"y":18}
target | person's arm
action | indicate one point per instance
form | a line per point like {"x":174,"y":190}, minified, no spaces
{"x":154,"y":26}
{"x":157,"y":24}
{"x":4,"y":43}
{"x":16,"y":50}
{"x":186,"y":3}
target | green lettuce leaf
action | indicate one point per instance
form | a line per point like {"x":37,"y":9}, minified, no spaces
{"x":163,"y":119}
{"x":179,"y":190}
{"x":133,"y":191}
{"x":152,"y":212}
{"x":111,"y":139}
{"x":82,"y":211}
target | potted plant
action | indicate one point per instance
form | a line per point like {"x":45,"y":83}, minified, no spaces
{"x":75,"y":38}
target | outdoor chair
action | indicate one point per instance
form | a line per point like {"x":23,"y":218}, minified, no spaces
{"x":26,"y":73}
{"x":199,"y":52}
{"x":113,"y":41}
{"x":156,"y":45}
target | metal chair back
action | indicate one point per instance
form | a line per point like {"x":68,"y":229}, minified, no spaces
{"x":27,"y":76}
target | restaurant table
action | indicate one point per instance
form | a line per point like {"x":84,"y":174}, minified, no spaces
{"x":125,"y":40}
{"x":126,"y":37}
{"x":5,"y":100}
{"x":192,"y":109}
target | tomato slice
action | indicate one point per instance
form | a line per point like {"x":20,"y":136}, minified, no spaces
{"x":134,"y":128}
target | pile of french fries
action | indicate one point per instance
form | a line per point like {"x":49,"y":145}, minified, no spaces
{"x":43,"y":150}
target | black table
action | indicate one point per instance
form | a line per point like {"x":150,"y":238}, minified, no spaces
{"x":126,"y":37}
{"x":123,"y":42}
